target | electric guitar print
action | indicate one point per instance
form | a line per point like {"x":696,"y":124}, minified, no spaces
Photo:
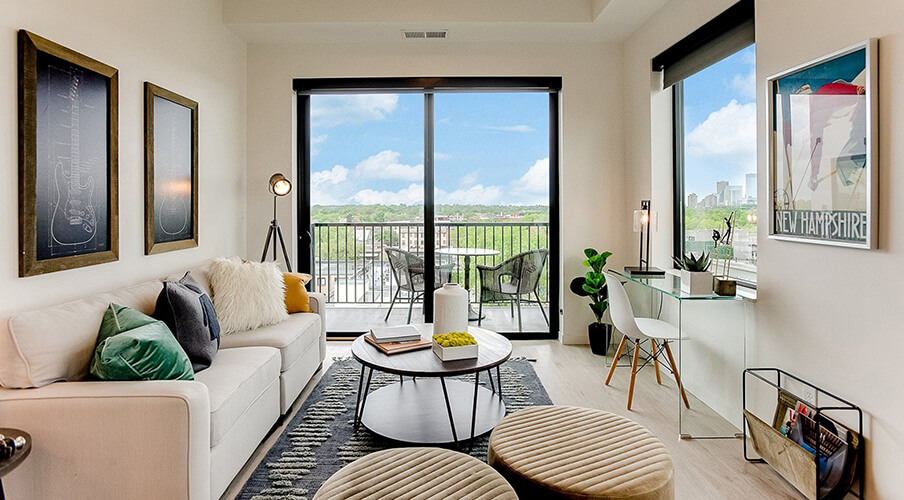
{"x":173,"y":210}
{"x":74,"y":220}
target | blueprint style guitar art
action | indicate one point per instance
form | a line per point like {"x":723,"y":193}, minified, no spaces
{"x":171,"y":170}
{"x":173,"y":211}
{"x":74,"y":221}
{"x":68,"y":158}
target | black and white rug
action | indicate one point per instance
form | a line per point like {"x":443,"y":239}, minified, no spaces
{"x":321,"y":438}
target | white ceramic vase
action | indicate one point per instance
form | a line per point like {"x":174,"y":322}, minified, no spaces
{"x":450,"y":309}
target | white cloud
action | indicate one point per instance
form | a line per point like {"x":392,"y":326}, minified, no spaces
{"x":477,"y":194}
{"x":330,"y":111}
{"x":385,"y":165}
{"x":468,"y":180}
{"x":534,"y":184}
{"x":728,"y":131}
{"x":412,"y":195}
{"x":509,"y":128}
{"x":332,"y":176}
{"x":316,"y":142}
{"x":745,"y":84}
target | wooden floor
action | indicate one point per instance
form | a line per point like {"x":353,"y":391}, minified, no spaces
{"x":704,"y":469}
{"x":497,"y":318}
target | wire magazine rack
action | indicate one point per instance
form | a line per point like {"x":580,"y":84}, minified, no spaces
{"x":818,"y":431}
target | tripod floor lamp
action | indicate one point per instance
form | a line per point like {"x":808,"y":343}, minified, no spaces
{"x":279,"y":186}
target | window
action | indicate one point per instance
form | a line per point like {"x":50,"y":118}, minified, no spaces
{"x":713,"y":80}
{"x":715,"y":112}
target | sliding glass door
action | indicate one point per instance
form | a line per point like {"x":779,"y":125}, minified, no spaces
{"x":405,"y":188}
{"x":491,"y":198}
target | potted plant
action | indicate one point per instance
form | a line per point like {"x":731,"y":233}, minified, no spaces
{"x":695,"y":276}
{"x":593,"y":285}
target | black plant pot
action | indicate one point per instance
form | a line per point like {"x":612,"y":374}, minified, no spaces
{"x":600,"y":335}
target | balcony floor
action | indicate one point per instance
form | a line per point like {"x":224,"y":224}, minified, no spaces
{"x":342,"y":318}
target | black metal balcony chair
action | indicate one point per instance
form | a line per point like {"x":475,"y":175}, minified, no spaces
{"x":408,"y":269}
{"x":511,"y":280}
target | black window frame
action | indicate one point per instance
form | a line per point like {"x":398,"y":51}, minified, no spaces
{"x":429,"y":86}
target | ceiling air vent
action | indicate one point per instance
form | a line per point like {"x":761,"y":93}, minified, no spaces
{"x":421,"y":35}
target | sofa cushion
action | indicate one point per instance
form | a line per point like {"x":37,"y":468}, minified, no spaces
{"x":297,"y":300}
{"x":235,"y":380}
{"x":188,"y":312}
{"x":292,"y":337}
{"x":246,"y":294}
{"x":57,"y":343}
{"x":135,"y":346}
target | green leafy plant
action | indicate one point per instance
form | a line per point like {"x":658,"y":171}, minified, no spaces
{"x":593,"y":284}
{"x":691,"y":263}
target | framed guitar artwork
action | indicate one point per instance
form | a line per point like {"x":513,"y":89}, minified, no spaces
{"x":68,"y":158}
{"x":171,"y":170}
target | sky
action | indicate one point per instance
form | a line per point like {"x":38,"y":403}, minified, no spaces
{"x":720,"y":124}
{"x":490,"y":148}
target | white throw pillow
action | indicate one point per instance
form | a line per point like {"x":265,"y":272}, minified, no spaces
{"x":247,"y":295}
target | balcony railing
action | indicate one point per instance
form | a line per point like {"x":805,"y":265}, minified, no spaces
{"x":350,"y":266}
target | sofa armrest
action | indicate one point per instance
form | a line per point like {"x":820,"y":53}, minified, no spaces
{"x":148,"y":439}
{"x":318,"y":305}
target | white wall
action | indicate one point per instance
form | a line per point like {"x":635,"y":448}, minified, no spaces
{"x":181,"y":46}
{"x":592,"y":173}
{"x":824,"y":313}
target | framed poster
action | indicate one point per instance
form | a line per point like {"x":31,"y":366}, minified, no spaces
{"x":823,"y":142}
{"x":171,"y":170}
{"x":68,"y":158}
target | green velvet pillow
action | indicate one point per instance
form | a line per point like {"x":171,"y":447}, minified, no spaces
{"x":135,"y":346}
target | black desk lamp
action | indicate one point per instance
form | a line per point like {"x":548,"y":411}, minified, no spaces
{"x":279,"y":186}
{"x":643,"y":219}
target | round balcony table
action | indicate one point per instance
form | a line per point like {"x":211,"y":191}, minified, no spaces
{"x":415,"y":410}
{"x":7,"y":465}
{"x":467,"y":253}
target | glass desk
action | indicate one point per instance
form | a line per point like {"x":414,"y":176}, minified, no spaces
{"x":711,"y":351}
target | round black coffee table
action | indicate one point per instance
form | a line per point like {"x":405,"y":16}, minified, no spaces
{"x":7,"y":465}
{"x":429,"y":408}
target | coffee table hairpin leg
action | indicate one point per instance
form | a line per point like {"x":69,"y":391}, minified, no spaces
{"x":360,"y":414}
{"x":442,"y":381}
{"x":474,"y":409}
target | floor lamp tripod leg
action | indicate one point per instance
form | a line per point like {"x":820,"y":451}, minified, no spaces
{"x":267,"y":244}
{"x":282,"y":244}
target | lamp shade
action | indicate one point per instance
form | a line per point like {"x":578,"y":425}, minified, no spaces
{"x":279,"y":185}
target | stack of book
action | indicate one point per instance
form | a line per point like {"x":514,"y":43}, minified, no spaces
{"x":397,"y":339}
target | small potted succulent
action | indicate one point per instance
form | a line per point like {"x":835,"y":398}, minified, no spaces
{"x":695,"y":276}
{"x":593,"y":286}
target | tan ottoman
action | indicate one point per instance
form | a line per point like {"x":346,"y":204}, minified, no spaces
{"x":416,"y":473}
{"x":569,"y":452}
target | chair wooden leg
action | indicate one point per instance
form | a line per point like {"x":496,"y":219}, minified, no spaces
{"x":633,"y":373}
{"x":656,"y":362}
{"x":391,"y":304}
{"x":621,"y":347}
{"x":512,"y":308}
{"x":668,"y":352}
{"x":479,"y":312}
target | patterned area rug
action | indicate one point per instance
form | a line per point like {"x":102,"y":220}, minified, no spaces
{"x":321,"y":438}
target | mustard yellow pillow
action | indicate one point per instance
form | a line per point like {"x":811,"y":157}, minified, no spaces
{"x":296,"y":296}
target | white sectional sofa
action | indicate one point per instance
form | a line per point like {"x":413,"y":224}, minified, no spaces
{"x":164,"y":440}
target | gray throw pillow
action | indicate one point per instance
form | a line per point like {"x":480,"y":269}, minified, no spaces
{"x":189,"y":314}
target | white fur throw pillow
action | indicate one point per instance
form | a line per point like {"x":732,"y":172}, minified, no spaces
{"x":247,"y":295}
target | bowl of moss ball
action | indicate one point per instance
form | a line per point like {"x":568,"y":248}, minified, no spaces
{"x":454,"y":346}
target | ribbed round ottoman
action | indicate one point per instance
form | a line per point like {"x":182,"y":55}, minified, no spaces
{"x":581,"y":453}
{"x":416,"y":473}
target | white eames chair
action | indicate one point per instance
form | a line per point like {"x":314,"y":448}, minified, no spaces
{"x":639,"y":330}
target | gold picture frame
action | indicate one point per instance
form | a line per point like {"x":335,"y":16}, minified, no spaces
{"x":68,"y":158}
{"x":171,"y":170}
